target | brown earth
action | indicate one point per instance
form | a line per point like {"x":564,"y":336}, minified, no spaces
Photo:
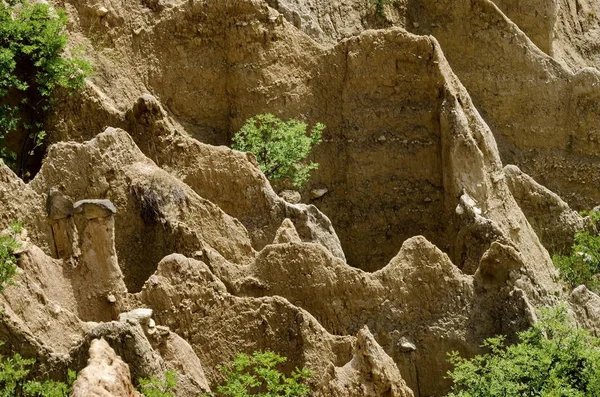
{"x":427,"y":234}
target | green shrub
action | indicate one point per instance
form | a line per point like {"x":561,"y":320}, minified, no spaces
{"x":280,"y":147}
{"x":33,"y":67}
{"x":156,"y":387}
{"x":552,"y":359}
{"x":582,"y":266}
{"x":257,"y":375}
{"x":50,"y":388}
{"x":13,"y":373}
{"x":8,"y":259}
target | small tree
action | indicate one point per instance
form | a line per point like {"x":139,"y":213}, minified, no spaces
{"x":280,"y":147}
{"x":257,"y":375}
{"x":33,"y":66}
{"x":552,"y":359}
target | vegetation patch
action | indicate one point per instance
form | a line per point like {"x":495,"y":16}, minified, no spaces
{"x":380,"y":4}
{"x":159,"y":387}
{"x":280,"y":147}
{"x":552,"y":359}
{"x":257,"y":375}
{"x":8,"y":259}
{"x":582,"y":265}
{"x":13,"y":380}
{"x":33,"y":68}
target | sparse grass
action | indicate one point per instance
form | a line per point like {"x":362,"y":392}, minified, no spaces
{"x":380,"y":4}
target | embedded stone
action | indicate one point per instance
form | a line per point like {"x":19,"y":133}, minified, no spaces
{"x":57,"y":205}
{"x":101,"y":11}
{"x":93,"y":209}
{"x":318,"y":193}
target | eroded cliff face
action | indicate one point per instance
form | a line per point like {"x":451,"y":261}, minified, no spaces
{"x":429,"y":238}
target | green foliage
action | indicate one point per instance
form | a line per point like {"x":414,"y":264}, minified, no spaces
{"x":280,"y":147}
{"x":32,"y":68}
{"x":594,"y":218}
{"x":257,"y":375}
{"x":156,"y":387}
{"x":582,"y":266}
{"x":552,"y":359}
{"x":13,"y":373}
{"x":8,"y":260}
{"x":50,"y":388}
{"x":380,"y":6}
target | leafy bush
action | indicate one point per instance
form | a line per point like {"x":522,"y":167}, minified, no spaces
{"x":50,"y":388}
{"x":13,"y":373}
{"x":257,"y":375}
{"x":156,"y":387}
{"x":552,"y":359}
{"x":32,"y":68}
{"x":280,"y":147}
{"x":582,"y":266}
{"x":8,"y":260}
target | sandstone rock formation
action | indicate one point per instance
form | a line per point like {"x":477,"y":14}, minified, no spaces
{"x":555,"y":223}
{"x":586,"y":307}
{"x":370,"y":373}
{"x":427,"y":234}
{"x":105,"y":375}
{"x":149,"y":201}
{"x":577,"y":32}
{"x":358,"y":184}
{"x":521,"y":91}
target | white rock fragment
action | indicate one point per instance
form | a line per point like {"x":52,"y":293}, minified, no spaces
{"x":468,"y":200}
{"x":151,"y":327}
{"x":318,"y":193}
{"x":406,"y":346}
{"x":459,"y":210}
{"x":467,"y":204}
{"x":140,"y":315}
{"x":101,"y":11}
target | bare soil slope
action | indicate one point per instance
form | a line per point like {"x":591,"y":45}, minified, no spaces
{"x":429,"y":238}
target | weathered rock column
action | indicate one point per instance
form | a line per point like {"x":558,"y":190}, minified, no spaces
{"x":64,"y":235}
{"x":99,"y":280}
{"x":105,"y":375}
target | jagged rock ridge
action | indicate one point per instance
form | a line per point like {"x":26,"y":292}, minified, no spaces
{"x":424,"y":235}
